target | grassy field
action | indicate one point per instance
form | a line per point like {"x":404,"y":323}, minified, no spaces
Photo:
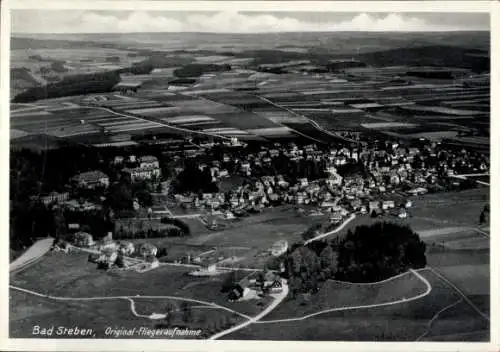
{"x":98,"y":315}
{"x":83,"y":279}
{"x":403,"y":322}
{"x":337,"y":294}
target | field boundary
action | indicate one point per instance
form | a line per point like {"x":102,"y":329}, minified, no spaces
{"x":436,"y":316}
{"x":452,"y":285}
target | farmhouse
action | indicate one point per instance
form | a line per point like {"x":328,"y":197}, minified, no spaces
{"x":91,"y":179}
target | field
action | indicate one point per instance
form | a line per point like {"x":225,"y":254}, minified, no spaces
{"x":83,"y":279}
{"x":338,"y":294}
{"x":407,"y":321}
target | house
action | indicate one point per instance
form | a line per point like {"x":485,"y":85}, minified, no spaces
{"x":328,"y":204}
{"x":147,"y":249}
{"x":108,"y":245}
{"x":75,"y":205}
{"x":355,"y":204}
{"x":126,"y":248}
{"x":336,"y":217}
{"x":118,"y":160}
{"x":148,"y":161}
{"x":303,"y":182}
{"x":223,"y":173}
{"x":387,"y":204}
{"x":299,"y":198}
{"x":373,"y":205}
{"x":275,"y":287}
{"x":332,"y":170}
{"x":142,"y":173}
{"x":73,"y":226}
{"x":228,"y":215}
{"x":160,"y":210}
{"x":83,"y":239}
{"x":55,"y":197}
{"x":418,"y":191}
{"x":340,"y":160}
{"x":245,"y":167}
{"x":408,"y":204}
{"x":107,"y":259}
{"x":91,"y":179}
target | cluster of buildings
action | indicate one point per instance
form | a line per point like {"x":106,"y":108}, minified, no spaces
{"x":255,"y":286}
{"x":143,"y":168}
{"x":106,"y":252}
{"x":392,"y":173}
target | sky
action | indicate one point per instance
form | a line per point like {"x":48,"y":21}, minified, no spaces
{"x":77,"y":21}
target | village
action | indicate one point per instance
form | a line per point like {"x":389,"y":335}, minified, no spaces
{"x":392,"y":176}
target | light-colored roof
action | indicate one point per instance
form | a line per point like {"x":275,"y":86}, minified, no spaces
{"x":148,"y":159}
{"x":90,"y":176}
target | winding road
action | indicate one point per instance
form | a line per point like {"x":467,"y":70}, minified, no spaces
{"x":341,"y":226}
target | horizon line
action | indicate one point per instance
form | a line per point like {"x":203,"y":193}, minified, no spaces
{"x":250,"y":33}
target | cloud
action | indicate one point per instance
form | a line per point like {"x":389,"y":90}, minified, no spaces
{"x":222,"y":22}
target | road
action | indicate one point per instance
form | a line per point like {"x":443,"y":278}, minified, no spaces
{"x":344,"y":224}
{"x":375,"y":305}
{"x":312,"y":122}
{"x":278,"y":298}
{"x":32,"y":255}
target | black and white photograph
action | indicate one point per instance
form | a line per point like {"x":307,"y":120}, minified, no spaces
{"x":308,"y":175}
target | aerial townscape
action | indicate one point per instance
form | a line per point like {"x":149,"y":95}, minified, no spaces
{"x":311,"y":186}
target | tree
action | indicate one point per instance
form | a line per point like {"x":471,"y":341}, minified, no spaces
{"x":328,"y":260}
{"x":482,"y":218}
{"x":59,"y":223}
{"x":120,"y":262}
{"x":374,"y":253}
